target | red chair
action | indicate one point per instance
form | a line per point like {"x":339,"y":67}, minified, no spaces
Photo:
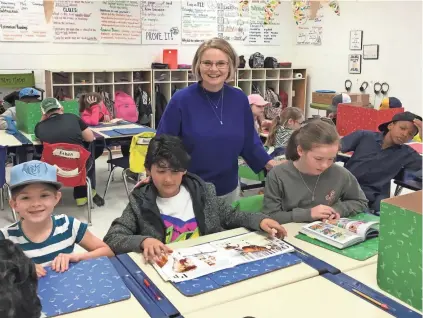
{"x":71,"y":163}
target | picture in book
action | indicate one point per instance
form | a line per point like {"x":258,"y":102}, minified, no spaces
{"x":188,"y":263}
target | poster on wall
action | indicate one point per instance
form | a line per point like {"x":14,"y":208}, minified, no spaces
{"x":354,"y":63}
{"x":161,"y":22}
{"x":265,"y":26}
{"x":76,"y":21}
{"x":309,"y":35}
{"x":233,"y":20}
{"x":25,"y":20}
{"x":120,"y":22}
{"x":199,"y":21}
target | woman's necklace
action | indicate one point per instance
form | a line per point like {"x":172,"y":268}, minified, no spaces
{"x":312,"y":192}
{"x":216,"y":106}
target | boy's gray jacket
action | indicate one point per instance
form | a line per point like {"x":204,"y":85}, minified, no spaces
{"x":141,"y":218}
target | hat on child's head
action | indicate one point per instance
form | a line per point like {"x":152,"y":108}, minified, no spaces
{"x":405,"y":116}
{"x":339,"y":99}
{"x":49,"y":104}
{"x":33,"y":172}
{"x":29,"y":92}
{"x":257,"y":99}
{"x":390,"y":102}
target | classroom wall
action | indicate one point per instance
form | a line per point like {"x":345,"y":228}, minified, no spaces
{"x":395,"y":25}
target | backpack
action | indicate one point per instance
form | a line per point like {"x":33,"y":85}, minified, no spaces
{"x":256,"y":60}
{"x":143,"y":102}
{"x":270,"y":62}
{"x":138,"y":151}
{"x":242,"y":61}
{"x":274,"y":109}
{"x":107,"y":102}
{"x":125,"y":107}
{"x":161,"y":104}
{"x":283,"y":97}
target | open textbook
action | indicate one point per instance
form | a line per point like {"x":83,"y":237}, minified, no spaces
{"x":192,"y":262}
{"x":341,"y":233}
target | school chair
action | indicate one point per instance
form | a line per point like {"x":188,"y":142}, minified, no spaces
{"x":252,"y":204}
{"x":133,"y":163}
{"x":72,"y":163}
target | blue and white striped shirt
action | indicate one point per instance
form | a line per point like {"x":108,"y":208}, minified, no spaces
{"x":65,"y":233}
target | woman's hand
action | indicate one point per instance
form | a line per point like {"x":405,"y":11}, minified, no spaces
{"x":271,"y":163}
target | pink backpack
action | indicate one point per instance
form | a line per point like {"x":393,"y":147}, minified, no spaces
{"x":125,"y":107}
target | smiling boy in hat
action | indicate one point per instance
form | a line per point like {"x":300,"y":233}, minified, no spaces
{"x":47,"y":239}
{"x":379,"y":156}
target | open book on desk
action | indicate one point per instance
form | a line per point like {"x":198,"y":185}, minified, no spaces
{"x":193,"y":262}
{"x":341,"y":233}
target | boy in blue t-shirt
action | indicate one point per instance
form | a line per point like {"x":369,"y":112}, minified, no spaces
{"x":45,"y":238}
{"x":379,"y":156}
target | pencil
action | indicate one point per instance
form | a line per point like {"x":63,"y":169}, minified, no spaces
{"x":147,"y":284}
{"x":384,"y":306}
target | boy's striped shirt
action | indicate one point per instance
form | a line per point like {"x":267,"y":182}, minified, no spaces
{"x":65,"y":233}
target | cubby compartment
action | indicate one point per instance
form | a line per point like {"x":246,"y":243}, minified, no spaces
{"x":179,"y":76}
{"x":259,"y":74}
{"x":62,"y":91}
{"x":244,"y":75}
{"x":82,"y":89}
{"x":164,"y":88}
{"x":285,"y":75}
{"x":141,"y":77}
{"x":105,"y":88}
{"x":127,"y":88}
{"x":274,"y":85}
{"x":103,"y":77}
{"x":122,"y":77}
{"x":286,"y":86}
{"x":83,"y":78}
{"x":245,"y":86}
{"x":177,"y":86}
{"x":161,"y":76}
{"x":272,"y":75}
{"x":258,"y":87}
{"x":298,"y":94}
{"x":191,"y":77}
{"x":62,"y":78}
{"x":299,"y":71}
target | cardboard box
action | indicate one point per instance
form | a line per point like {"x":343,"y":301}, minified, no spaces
{"x":350,"y":118}
{"x":399,"y":267}
{"x":29,"y":115}
{"x":322,"y":98}
{"x":360,"y":99}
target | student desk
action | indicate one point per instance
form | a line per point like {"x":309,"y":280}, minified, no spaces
{"x":233,"y":292}
{"x":337,"y":260}
{"x":8,"y":140}
{"x":99,"y":130}
{"x":314,"y":297}
{"x":367,"y":275}
{"x":125,"y":308}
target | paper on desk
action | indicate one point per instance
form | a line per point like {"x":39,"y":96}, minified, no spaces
{"x":189,"y":263}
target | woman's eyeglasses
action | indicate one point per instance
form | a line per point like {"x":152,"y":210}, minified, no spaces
{"x":221,"y":65}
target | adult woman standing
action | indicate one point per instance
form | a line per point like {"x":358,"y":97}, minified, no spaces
{"x":215,"y":122}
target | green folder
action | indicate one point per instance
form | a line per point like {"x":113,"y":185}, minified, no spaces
{"x":360,"y":251}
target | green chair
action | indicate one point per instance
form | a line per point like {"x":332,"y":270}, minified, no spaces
{"x":252,"y":204}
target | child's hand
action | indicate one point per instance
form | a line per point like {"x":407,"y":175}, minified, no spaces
{"x":273,"y":228}
{"x":153,"y":249}
{"x":335,"y":216}
{"x":106,"y":118}
{"x":116,"y":120}
{"x":418,"y":123}
{"x":91,"y":100}
{"x":322,"y":212}
{"x":61,"y":263}
{"x":41,"y":271}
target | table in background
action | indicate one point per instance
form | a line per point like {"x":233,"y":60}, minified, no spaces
{"x":232,"y":292}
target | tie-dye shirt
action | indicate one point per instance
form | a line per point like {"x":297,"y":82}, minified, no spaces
{"x":178,"y":216}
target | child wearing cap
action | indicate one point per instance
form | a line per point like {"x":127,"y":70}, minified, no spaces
{"x":257,"y":104}
{"x":336,"y":100}
{"x":47,"y":239}
{"x":379,"y":156}
{"x":26,"y":95}
{"x":58,"y":127}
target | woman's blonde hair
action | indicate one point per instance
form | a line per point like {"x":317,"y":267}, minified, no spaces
{"x":281,"y":120}
{"x":222,"y":45}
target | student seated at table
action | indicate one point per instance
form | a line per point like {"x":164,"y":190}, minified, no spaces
{"x":47,"y":239}
{"x":379,"y":156}
{"x":93,"y":112}
{"x":309,"y":186}
{"x":26,"y":95}
{"x":175,"y":205}
{"x":18,"y":283}
{"x":57,"y":127}
{"x":283,"y":126}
